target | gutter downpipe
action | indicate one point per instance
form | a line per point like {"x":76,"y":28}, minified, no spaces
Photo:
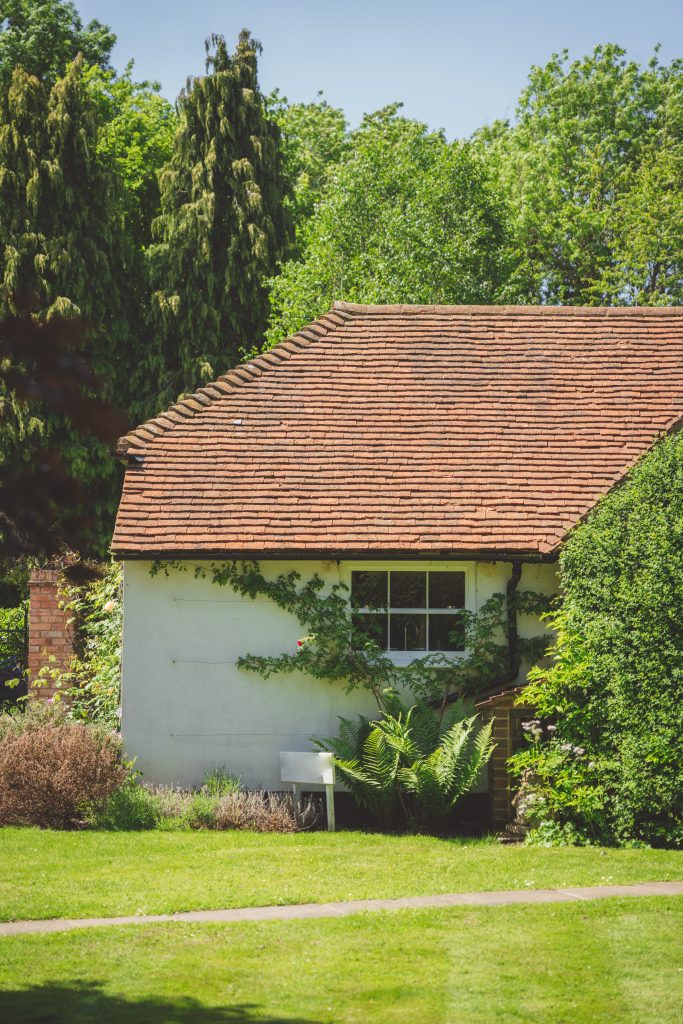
{"x":510,"y":676}
{"x":513,"y":636}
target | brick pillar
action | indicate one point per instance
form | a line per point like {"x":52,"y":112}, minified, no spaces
{"x":49,"y":635}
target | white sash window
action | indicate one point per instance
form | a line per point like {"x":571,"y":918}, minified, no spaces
{"x":411,"y":610}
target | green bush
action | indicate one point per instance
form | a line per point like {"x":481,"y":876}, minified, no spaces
{"x":132,"y":808}
{"x":12,"y":621}
{"x":92,"y":683}
{"x":607,"y":755}
{"x":405,"y":768}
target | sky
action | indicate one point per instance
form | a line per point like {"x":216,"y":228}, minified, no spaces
{"x":455,"y":65}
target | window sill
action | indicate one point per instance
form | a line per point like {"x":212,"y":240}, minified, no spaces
{"x":405,"y":658}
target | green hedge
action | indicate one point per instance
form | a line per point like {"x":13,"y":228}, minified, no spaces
{"x":610,"y":765}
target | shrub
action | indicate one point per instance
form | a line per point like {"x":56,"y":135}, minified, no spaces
{"x":53,"y":769}
{"x":194,"y":808}
{"x":552,"y":833}
{"x":257,"y":811}
{"x":92,"y":682}
{"x":218,"y":804}
{"x":138,"y":807}
{"x":405,"y":768}
{"x":131,"y":808}
{"x":218,"y":784}
{"x":610,"y":762}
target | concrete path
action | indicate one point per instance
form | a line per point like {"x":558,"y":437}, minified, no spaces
{"x":344,"y":909}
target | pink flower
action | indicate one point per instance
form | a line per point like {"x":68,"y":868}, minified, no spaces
{"x":299,"y":643}
{"x":110,"y":606}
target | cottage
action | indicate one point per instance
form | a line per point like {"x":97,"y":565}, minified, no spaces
{"x":439,"y":453}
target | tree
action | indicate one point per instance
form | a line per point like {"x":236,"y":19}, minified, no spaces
{"x":137,"y":128}
{"x":61,"y":222}
{"x":222,"y":226}
{"x":63,"y":256}
{"x":591,"y":137}
{"x":648,"y":263}
{"x":43,"y":507}
{"x":406,"y":217}
{"x":44,"y":36}
{"x":314,"y":140}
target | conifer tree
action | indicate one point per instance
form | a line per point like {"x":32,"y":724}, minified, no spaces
{"x":62,"y":232}
{"x":222,"y":228}
{"x":63,"y":251}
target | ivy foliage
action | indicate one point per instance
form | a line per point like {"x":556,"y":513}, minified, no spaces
{"x":222,"y":225}
{"x":92,"y":683}
{"x":411,"y":765}
{"x":337,"y":648}
{"x":607,"y":754}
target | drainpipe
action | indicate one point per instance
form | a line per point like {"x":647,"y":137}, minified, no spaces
{"x":510,"y":676}
{"x":513,"y":645}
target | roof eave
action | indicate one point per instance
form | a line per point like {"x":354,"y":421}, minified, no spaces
{"x":339,"y":555}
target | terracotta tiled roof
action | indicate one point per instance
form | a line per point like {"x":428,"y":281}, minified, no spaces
{"x":412,"y":430}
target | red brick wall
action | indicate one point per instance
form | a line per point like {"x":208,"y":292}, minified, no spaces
{"x":49,"y":634}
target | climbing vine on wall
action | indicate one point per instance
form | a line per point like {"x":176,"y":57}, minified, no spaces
{"x":334,"y":648}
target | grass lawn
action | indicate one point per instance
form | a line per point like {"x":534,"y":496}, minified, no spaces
{"x":81,"y":874}
{"x":603,"y":962}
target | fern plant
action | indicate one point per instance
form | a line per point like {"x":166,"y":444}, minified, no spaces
{"x":439,"y":779}
{"x":403,"y":769}
{"x":369,"y":765}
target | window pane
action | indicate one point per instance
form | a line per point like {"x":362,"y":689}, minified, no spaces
{"x":446,"y":633}
{"x":369,"y":589}
{"x":447,"y":590}
{"x":408,"y":590}
{"x":374,"y":626}
{"x":408,"y":632}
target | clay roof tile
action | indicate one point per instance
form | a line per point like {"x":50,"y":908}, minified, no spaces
{"x":408,"y":431}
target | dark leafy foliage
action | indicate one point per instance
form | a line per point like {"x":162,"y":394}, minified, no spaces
{"x":43,"y":506}
{"x":61,"y":257}
{"x":609,"y":759}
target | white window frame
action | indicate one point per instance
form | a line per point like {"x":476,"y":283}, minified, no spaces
{"x":468,"y":568}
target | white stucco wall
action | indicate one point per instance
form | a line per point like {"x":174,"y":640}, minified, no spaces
{"x":187,"y":708}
